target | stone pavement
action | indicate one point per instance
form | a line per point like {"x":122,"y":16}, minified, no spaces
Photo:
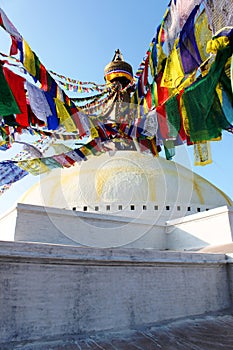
{"x":201,"y":333}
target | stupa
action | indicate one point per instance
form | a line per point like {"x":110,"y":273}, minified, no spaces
{"x":126,"y":186}
{"x":127,"y":182}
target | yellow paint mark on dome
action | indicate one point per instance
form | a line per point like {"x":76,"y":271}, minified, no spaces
{"x":103,"y":176}
{"x":152,"y":191}
{"x":198,"y":192}
{"x":94,"y":181}
{"x":29,"y":191}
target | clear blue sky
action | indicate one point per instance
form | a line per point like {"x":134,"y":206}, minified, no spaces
{"x":78,"y":38}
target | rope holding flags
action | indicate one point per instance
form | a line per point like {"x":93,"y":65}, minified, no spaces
{"x":182,"y":92}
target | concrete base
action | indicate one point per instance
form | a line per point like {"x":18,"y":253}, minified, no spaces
{"x":52,"y":291}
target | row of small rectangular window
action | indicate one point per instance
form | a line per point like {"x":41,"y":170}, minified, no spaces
{"x":132,"y":207}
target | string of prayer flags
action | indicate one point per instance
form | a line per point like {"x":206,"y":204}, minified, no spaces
{"x":10,"y":173}
{"x":189,"y":98}
{"x":4,"y":188}
{"x":30,"y":150}
{"x":78,"y":82}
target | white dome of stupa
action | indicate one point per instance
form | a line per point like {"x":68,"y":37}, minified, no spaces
{"x":127,"y":184}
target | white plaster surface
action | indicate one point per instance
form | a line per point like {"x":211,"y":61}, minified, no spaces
{"x":59,"y":226}
{"x":128,"y":178}
{"x":7,"y":225}
{"x":213,"y":227}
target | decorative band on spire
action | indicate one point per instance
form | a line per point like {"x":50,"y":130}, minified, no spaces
{"x":118,"y":68}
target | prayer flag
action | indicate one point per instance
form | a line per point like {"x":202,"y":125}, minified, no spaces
{"x":29,"y":59}
{"x":10,"y":173}
{"x":51,"y":163}
{"x":61,"y":158}
{"x":16,"y":84}
{"x":173,"y":117}
{"x":189,"y":52}
{"x":205,"y":115}
{"x":173,"y":72}
{"x":52,"y":119}
{"x":76,"y":155}
{"x":64,"y":116}
{"x":34,"y":166}
{"x":8,"y":26}
{"x":38,"y":102}
{"x":8,"y":104}
{"x":202,"y":153}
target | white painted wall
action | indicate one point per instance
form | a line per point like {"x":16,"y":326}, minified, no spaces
{"x":51,"y":292}
{"x":7,"y":225}
{"x":60,"y":226}
{"x":213,"y":227}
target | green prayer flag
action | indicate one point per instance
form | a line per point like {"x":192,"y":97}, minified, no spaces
{"x":169,"y":149}
{"x":173,"y":117}
{"x":204,"y":111}
{"x":8,"y":104}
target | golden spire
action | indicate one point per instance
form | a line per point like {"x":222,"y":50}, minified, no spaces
{"x":118,"y":70}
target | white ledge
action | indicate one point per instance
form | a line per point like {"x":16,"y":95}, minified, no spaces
{"x":78,"y":255}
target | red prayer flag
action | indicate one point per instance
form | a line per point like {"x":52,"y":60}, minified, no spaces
{"x":16,"y":84}
{"x":43,"y":77}
{"x":14,"y":46}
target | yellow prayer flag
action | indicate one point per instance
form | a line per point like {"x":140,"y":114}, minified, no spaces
{"x":34,"y":166}
{"x":29,"y":59}
{"x":231,"y":72}
{"x":216,"y":44}
{"x":173,"y":72}
{"x":94,"y":132}
{"x":202,"y":34}
{"x":184,"y":117}
{"x":64,"y":116}
{"x":151,"y":64}
{"x":188,"y":81}
{"x":161,"y":57}
{"x":145,"y":106}
{"x":219,"y":92}
{"x":85,"y":151}
{"x":202,"y":153}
